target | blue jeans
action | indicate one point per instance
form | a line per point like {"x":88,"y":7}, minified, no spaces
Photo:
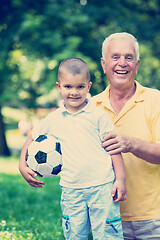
{"x":90,"y":207}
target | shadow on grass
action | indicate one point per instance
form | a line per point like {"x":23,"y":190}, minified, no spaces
{"x":30,"y":213}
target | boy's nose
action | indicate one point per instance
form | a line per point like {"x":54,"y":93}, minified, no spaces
{"x":74,"y":91}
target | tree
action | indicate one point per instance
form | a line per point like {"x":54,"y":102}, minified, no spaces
{"x":11,"y":17}
{"x":36,"y":35}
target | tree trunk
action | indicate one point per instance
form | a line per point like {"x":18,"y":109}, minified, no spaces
{"x":4,"y":150}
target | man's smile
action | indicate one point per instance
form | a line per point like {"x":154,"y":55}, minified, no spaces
{"x":121,"y":71}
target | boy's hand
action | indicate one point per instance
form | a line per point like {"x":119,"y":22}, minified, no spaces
{"x":119,"y":191}
{"x":29,"y":176}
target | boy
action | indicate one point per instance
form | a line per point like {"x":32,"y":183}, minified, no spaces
{"x":90,"y":191}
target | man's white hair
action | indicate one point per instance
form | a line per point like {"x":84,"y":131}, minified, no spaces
{"x":120,"y":35}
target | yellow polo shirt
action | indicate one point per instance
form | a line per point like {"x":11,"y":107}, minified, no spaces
{"x":139,"y":118}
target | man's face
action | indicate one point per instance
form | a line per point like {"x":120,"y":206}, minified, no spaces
{"x":120,"y":63}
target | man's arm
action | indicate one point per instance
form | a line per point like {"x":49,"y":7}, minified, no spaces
{"x":26,"y":172}
{"x":119,"y":187}
{"x":115,"y":143}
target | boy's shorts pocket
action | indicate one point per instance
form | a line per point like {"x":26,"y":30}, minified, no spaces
{"x":113,"y":226}
{"x":66,"y":226}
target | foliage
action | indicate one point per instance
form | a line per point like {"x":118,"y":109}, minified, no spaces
{"x":36,"y":36}
{"x":39,"y":35}
{"x":149,"y":76}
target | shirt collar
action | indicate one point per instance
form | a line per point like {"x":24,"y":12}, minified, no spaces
{"x":104,"y":96}
{"x":86,"y":109}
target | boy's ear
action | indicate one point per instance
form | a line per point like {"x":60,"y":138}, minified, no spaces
{"x":58,"y":85}
{"x":89,"y":85}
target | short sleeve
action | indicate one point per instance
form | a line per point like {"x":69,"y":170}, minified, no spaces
{"x":105,"y":125}
{"x":40,"y":129}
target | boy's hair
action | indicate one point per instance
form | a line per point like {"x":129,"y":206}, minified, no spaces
{"x":74,"y":66}
{"x":124,"y":35}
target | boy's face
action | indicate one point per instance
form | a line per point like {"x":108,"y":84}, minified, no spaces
{"x":74,"y":89}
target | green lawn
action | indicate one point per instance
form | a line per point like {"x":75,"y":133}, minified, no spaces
{"x":29,"y":213}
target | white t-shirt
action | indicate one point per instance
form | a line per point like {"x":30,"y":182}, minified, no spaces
{"x":85,"y":162}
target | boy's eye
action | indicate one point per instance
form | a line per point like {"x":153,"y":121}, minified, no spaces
{"x":67,"y":86}
{"x":81,"y":86}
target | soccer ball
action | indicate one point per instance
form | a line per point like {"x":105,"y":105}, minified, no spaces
{"x":44,"y":156}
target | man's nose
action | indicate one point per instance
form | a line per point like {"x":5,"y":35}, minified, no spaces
{"x":122,"y":61}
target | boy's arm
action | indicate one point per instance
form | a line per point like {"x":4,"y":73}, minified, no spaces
{"x":26,"y":172}
{"x":119,"y":187}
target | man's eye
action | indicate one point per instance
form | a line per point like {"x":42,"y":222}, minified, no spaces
{"x":115,"y":57}
{"x":129,"y":57}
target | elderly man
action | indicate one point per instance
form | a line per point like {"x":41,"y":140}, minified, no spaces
{"x":135,"y":111}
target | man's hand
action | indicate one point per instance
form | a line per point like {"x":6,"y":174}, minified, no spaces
{"x":115,"y":143}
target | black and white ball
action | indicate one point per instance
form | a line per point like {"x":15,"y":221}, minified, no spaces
{"x":44,"y":156}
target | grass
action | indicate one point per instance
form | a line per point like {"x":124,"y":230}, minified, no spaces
{"x":29,"y":213}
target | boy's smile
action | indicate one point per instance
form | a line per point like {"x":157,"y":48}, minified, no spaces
{"x":74,"y":89}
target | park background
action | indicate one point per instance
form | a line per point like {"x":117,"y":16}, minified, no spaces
{"x":35,"y":36}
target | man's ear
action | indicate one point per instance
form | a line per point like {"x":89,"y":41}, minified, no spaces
{"x":103,"y":63}
{"x":137,"y":65}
